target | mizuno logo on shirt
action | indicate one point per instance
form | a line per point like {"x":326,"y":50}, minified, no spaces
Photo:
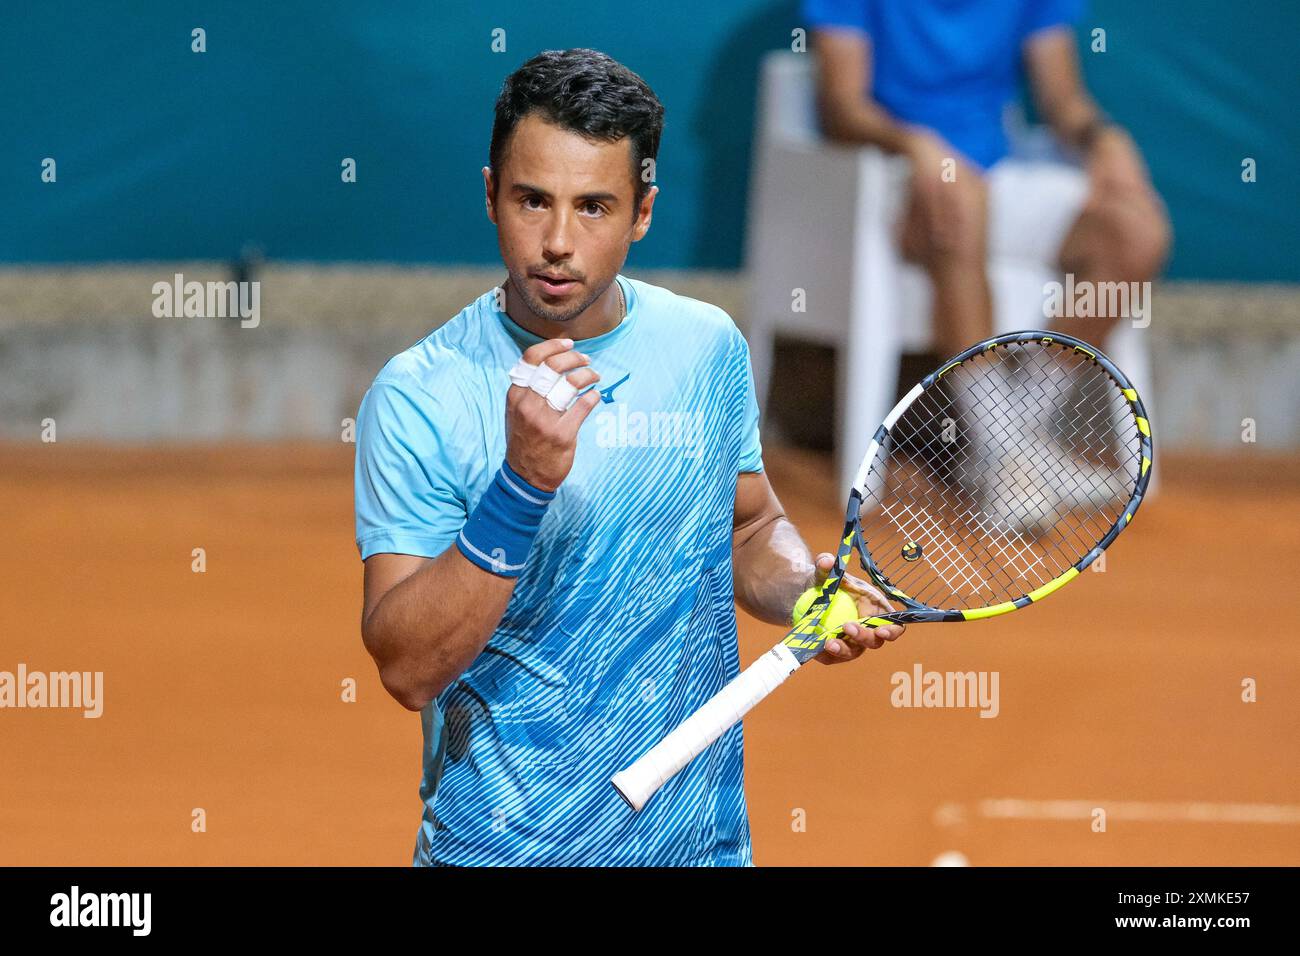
{"x":607,"y":394}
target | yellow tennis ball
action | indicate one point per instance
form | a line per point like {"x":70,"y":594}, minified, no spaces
{"x":805,"y":601}
{"x":842,"y":609}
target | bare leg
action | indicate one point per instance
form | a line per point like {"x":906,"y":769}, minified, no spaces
{"x":945,"y":230}
{"x":963,"y":304}
{"x":1117,"y":238}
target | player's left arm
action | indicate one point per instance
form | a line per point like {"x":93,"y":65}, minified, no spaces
{"x":771,"y":567}
{"x":1052,"y":67}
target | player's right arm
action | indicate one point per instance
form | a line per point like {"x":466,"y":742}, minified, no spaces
{"x":424,"y":620}
{"x":844,"y":104}
{"x":941,"y":210}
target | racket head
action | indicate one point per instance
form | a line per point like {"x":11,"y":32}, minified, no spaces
{"x":999,"y":477}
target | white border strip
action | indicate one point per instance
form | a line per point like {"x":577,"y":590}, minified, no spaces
{"x":1011,"y":808}
{"x":860,"y":480}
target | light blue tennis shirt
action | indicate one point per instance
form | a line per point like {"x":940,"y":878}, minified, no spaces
{"x":622,"y":623}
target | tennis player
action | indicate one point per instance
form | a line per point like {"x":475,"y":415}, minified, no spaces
{"x":558,"y":495}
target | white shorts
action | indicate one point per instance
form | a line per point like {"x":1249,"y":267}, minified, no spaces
{"x":1032,"y":207}
{"x":1033,"y":204}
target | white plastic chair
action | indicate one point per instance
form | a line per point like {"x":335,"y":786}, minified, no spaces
{"x":821,"y":220}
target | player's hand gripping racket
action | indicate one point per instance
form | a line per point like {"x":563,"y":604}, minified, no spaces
{"x":994,"y":482}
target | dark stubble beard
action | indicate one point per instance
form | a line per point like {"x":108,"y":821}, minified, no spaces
{"x":543,"y":311}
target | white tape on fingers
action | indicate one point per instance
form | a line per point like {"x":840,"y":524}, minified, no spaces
{"x":561,"y":395}
{"x":544,"y":380}
{"x":522,"y":374}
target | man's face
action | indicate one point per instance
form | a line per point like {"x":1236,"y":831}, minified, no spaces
{"x":564,"y":208}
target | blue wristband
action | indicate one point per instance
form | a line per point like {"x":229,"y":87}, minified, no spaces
{"x":500,"y":532}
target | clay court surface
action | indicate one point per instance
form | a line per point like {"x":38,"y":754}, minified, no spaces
{"x":222,"y":689}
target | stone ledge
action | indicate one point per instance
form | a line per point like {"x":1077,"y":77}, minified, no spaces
{"x":81,"y":344}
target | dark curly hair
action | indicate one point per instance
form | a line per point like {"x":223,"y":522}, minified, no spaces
{"x":587,"y":92}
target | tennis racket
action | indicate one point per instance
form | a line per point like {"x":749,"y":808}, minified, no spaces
{"x":993,"y":483}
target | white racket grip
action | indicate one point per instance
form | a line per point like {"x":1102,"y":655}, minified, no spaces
{"x":639,"y":782}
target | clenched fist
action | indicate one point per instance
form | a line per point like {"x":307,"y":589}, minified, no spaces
{"x":540,"y":441}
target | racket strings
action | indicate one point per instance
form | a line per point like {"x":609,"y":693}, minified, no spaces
{"x":1008,"y":543}
{"x":1034,"y":455}
{"x":951,"y":558}
{"x":1001,"y":476}
{"x":917,"y":509}
{"x":1081,"y":431}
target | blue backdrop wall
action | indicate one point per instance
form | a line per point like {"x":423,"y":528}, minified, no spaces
{"x":163,"y":153}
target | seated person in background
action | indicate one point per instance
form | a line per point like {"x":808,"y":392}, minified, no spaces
{"x":930,"y":80}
